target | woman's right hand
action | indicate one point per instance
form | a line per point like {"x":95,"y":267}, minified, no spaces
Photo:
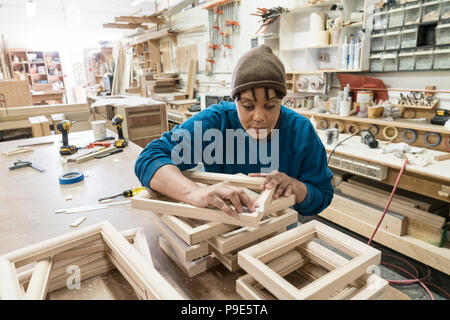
{"x":217,"y":194}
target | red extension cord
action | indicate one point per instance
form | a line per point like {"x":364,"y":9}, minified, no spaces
{"x":415,"y":278}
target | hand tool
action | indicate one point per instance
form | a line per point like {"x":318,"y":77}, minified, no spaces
{"x":96,"y":144}
{"x":22,"y":164}
{"x":440,"y":117}
{"x":66,"y":149}
{"x":127,"y":193}
{"x":121,"y":142}
{"x":109,"y":154}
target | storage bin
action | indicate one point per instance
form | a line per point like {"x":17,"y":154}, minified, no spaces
{"x":392,"y":39}
{"x":389,"y":62}
{"x":441,"y":58}
{"x":412,"y":13}
{"x":380,"y":19}
{"x":445,"y":9}
{"x":424,"y":59}
{"x":376,"y":64}
{"x":443,"y":33}
{"x":377,"y":41}
{"x":396,"y":17}
{"x":430,"y":11}
{"x":408,"y":37}
{"x":406,"y":60}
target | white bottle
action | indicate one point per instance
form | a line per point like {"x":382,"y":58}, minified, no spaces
{"x":344,"y":55}
{"x":351,"y":53}
{"x":356,"y":56}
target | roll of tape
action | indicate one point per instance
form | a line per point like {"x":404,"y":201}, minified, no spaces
{"x":406,"y":131}
{"x":427,"y":135}
{"x":323,"y":124}
{"x":447,"y":144}
{"x":337,"y":125}
{"x":352,"y":128}
{"x":317,"y":21}
{"x":316,"y":84}
{"x":302,"y":84}
{"x":394,"y":136}
{"x":374,"y":129}
{"x":71,"y":177}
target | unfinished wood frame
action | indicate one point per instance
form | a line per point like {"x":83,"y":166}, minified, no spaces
{"x":190,"y":268}
{"x":145,"y":280}
{"x":149,"y":201}
{"x":240,"y":180}
{"x":254,"y":260}
{"x":230,"y":241}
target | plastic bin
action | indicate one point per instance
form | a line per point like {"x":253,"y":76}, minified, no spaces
{"x":424,"y":59}
{"x":389,"y":62}
{"x":443,"y":33}
{"x":392,"y":39}
{"x":380,"y":19}
{"x":406,"y":60}
{"x":441,"y":58}
{"x":396,"y":17}
{"x":430,"y":11}
{"x":377,"y":41}
{"x":408,"y":37}
{"x":412,"y":13}
{"x":376,"y":64}
{"x":445,"y":9}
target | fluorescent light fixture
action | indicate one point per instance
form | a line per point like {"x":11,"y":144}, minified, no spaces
{"x":30,"y":8}
{"x":135,"y":3}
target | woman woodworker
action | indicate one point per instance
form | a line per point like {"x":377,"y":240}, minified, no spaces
{"x":298,"y":163}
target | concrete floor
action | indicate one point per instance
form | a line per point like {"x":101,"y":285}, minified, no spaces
{"x":414,"y":291}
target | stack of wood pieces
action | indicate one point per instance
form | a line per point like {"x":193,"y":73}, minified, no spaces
{"x":311,"y":261}
{"x":162,"y":85}
{"x":40,"y":126}
{"x":34,"y":271}
{"x":197,"y":239}
{"x":407,"y":215}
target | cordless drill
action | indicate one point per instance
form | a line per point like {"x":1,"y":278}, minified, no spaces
{"x":66,"y":149}
{"x":121,"y":142}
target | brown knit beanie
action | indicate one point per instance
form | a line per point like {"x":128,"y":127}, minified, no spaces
{"x":258,"y":68}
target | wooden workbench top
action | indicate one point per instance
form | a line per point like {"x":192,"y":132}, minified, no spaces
{"x":29,"y":199}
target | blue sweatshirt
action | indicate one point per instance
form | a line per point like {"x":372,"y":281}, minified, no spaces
{"x":300,"y":153}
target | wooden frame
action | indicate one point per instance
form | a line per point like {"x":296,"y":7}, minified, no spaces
{"x":254,"y":260}
{"x":146,"y":200}
{"x":145,"y":280}
{"x":230,"y":241}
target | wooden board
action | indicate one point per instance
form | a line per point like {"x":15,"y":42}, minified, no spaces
{"x":438,"y":258}
{"x":17,"y":93}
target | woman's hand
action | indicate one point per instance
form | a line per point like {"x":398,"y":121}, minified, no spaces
{"x":217,"y":195}
{"x":283,"y":184}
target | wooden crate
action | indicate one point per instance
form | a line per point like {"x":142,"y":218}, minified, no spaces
{"x":142,"y":124}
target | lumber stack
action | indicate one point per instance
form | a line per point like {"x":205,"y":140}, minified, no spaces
{"x":40,"y":126}
{"x":197,"y":242}
{"x":162,"y":85}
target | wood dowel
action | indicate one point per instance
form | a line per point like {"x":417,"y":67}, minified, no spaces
{"x":37,"y":287}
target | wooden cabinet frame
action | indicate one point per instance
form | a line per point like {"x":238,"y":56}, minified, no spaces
{"x":255,"y":261}
{"x":139,"y":272}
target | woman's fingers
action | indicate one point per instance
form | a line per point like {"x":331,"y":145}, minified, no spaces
{"x":234,"y":198}
{"x":220,"y":204}
{"x":281,"y":188}
{"x":288,"y":190}
{"x":247,"y":201}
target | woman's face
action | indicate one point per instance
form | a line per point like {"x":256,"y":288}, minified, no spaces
{"x":259,"y":117}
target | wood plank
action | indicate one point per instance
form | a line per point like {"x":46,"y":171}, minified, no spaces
{"x":17,"y":93}
{"x":139,"y":20}
{"x":38,"y":285}
{"x":438,"y":258}
{"x":191,"y":78}
{"x":36,"y":128}
{"x":124,"y":26}
{"x":413,"y":213}
{"x":252,"y":183}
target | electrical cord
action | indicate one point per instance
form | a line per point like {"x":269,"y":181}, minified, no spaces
{"x":340,"y":142}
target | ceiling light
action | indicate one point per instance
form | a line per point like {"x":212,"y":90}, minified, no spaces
{"x":30,"y":8}
{"x":135,"y":3}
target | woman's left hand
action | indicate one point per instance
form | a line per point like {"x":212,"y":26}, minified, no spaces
{"x":283,"y":184}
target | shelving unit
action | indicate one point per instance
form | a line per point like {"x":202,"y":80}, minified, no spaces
{"x":304,"y":59}
{"x":42,"y":69}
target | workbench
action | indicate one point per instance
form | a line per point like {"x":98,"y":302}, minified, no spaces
{"x":29,"y":202}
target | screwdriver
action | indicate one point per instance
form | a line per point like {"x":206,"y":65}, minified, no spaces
{"x":127,"y":193}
